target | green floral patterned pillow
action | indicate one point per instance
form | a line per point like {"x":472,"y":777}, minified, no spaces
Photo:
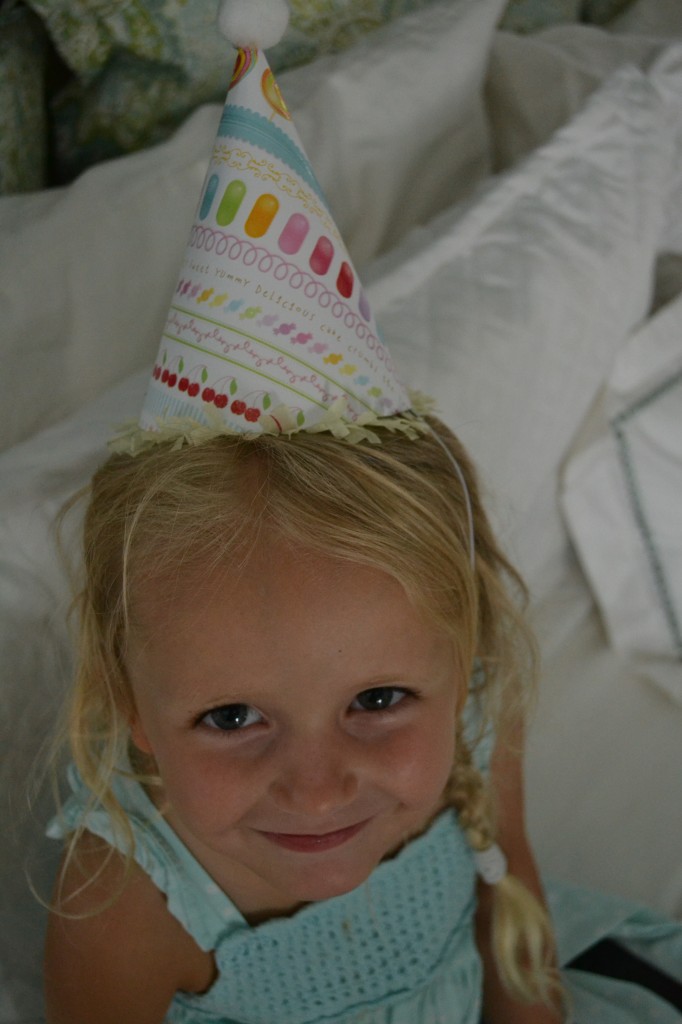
{"x":141,"y":66}
{"x":531,"y":15}
{"x":23,"y":122}
{"x":138,"y":68}
{"x":328,"y":26}
{"x":600,"y":12}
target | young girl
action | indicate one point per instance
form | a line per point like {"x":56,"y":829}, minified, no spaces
{"x":297,"y":723}
{"x":278,"y":638}
{"x":281,"y":729}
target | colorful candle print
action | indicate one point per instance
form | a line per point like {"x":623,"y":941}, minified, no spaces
{"x":322,"y":255}
{"x":230,"y":203}
{"x":262,"y":215}
{"x":294,"y":234}
{"x":344,"y":282}
{"x":243,"y":64}
{"x":273,"y":95}
{"x":209,"y":196}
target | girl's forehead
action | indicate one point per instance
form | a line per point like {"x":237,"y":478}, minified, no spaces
{"x":284,"y":599}
{"x":264,"y":571}
{"x":272,"y":582}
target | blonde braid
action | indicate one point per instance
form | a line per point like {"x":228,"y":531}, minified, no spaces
{"x":471,"y":797}
{"x":522,"y":936}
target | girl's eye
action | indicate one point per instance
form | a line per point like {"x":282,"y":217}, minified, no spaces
{"x":232,"y":717}
{"x":379,"y":698}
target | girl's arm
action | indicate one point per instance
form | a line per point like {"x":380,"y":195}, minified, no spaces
{"x":507,"y":778}
{"x":121,"y":963}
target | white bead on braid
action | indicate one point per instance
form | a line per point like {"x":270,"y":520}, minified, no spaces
{"x":253,"y":24}
{"x":491,"y":864}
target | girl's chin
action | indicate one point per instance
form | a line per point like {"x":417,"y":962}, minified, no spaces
{"x":308,"y":882}
{"x":283,"y":895}
{"x":313,"y":890}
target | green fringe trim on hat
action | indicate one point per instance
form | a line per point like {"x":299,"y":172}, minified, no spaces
{"x":131,"y":439}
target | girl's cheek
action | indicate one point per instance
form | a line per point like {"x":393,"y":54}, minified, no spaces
{"x":210,"y":786}
{"x":420,"y":765}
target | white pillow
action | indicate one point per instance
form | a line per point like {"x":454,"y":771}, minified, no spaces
{"x":394,"y":126}
{"x":511,"y":313}
{"x":538,"y":81}
{"x":36,"y":477}
{"x":86,"y":275}
{"x":623,"y":496}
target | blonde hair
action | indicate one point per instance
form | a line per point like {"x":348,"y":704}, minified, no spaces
{"x":397,"y":507}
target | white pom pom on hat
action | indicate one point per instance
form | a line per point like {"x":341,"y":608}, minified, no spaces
{"x":253,"y":24}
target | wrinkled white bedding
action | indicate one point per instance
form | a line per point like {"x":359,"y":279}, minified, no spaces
{"x":510,"y":304}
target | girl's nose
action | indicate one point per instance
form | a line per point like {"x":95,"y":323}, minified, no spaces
{"x":315,"y":778}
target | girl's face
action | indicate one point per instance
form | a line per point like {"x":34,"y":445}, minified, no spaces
{"x":302,"y":717}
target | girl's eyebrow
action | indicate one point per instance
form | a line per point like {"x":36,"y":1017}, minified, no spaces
{"x":408,"y":680}
{"x":196,"y":700}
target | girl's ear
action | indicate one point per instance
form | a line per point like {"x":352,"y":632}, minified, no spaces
{"x":138,"y":735}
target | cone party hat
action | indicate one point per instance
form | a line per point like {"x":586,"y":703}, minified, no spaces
{"x":269,"y":328}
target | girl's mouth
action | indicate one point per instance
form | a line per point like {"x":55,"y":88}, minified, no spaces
{"x":301,"y":843}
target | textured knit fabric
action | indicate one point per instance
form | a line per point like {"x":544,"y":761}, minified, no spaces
{"x":397,"y":950}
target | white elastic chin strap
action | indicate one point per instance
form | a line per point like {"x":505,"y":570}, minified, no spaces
{"x":491,"y":863}
{"x":465,"y":491}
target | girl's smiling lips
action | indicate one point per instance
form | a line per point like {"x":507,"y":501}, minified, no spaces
{"x":312,"y":843}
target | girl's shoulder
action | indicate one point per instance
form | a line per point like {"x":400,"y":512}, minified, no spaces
{"x":133,"y":825}
{"x":113,"y":950}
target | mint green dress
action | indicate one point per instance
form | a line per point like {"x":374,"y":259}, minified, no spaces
{"x":397,"y":950}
